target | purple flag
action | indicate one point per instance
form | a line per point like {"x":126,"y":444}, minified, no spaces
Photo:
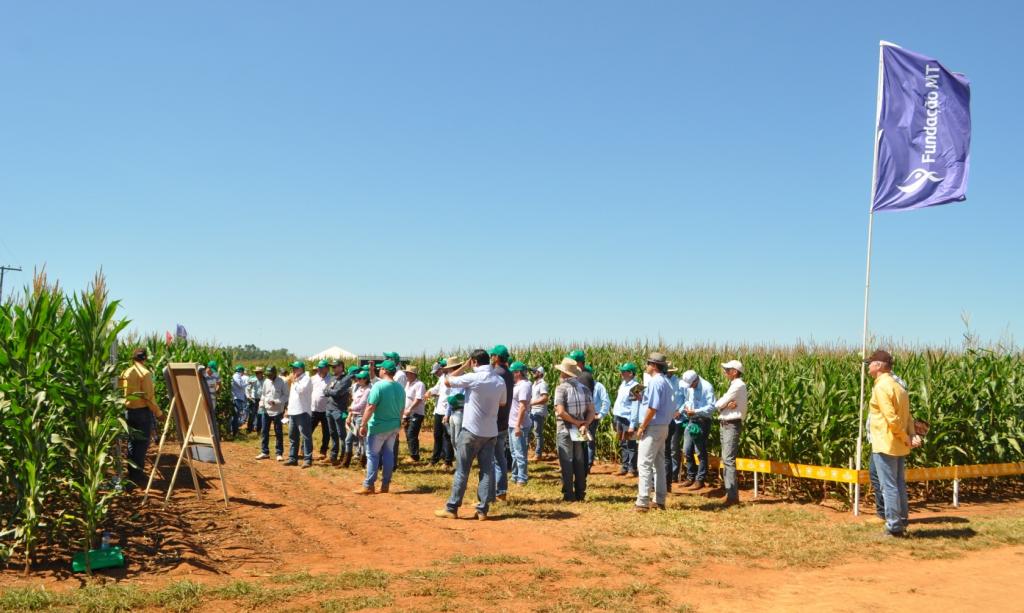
{"x":181,"y":332}
{"x":924,"y":131}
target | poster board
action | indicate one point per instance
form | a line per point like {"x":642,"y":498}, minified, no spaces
{"x":187,"y":387}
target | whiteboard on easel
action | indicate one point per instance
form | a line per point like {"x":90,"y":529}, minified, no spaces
{"x":191,"y":396}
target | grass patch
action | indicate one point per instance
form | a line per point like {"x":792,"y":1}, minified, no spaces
{"x":28,"y":599}
{"x":356,"y":603}
{"x":499,"y":558}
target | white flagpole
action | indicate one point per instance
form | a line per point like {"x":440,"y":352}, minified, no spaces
{"x":867,"y":278}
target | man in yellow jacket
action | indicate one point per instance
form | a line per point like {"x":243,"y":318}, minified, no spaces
{"x":891,"y":441}
{"x":140,"y":410}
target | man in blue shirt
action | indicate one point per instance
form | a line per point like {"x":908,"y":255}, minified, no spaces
{"x":695,"y":415}
{"x":601,"y":406}
{"x":658,"y":407}
{"x":239,"y":381}
{"x":626,"y":414}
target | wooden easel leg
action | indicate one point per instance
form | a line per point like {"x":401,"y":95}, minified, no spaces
{"x":195,"y":480}
{"x":217,"y":459}
{"x":159,"y":448}
{"x":184,"y":448}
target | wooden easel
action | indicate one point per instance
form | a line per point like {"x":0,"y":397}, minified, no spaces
{"x":156,"y":462}
{"x":187,"y":442}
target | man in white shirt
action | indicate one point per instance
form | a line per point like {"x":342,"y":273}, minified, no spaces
{"x":479,"y":431}
{"x":239,"y":381}
{"x":272,"y":400}
{"x":732,"y":410}
{"x":442,"y":438}
{"x":300,"y":416}
{"x":518,"y":418}
{"x":412,"y":416}
{"x":319,"y":382}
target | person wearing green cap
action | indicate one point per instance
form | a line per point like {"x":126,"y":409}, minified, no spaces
{"x":241,"y":405}
{"x":626,"y":413}
{"x":586,"y":377}
{"x":354,"y":442}
{"x":601,"y":406}
{"x":402,"y":380}
{"x":300,"y":416}
{"x":253,"y":393}
{"x":273,"y":399}
{"x":212,"y":382}
{"x":502,"y":457}
{"x":319,"y":382}
{"x":381,"y":421}
{"x":519,"y":421}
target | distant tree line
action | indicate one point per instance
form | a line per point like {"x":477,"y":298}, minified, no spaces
{"x":252,"y":353}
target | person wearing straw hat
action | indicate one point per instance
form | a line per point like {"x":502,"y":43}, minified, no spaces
{"x":354,"y":442}
{"x":538,"y":411}
{"x":574,"y":410}
{"x":697,"y":408}
{"x":319,"y":382}
{"x":518,"y":420}
{"x":415,"y":403}
{"x":140,"y":411}
{"x":626,"y":414}
{"x":658,"y":406}
{"x":442,"y":437}
{"x":381,"y":422}
{"x":300,"y":416}
{"x":479,"y":429}
{"x":732,"y":410}
{"x":273,"y":398}
{"x":891,"y":440}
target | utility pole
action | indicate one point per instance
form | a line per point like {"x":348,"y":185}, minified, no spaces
{"x":4,"y":269}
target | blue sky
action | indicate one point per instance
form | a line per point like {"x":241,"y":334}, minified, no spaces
{"x":414,"y":175}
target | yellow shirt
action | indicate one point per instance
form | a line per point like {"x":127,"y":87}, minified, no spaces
{"x":137,"y":383}
{"x":890,"y":417}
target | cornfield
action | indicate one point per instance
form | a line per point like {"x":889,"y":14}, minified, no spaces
{"x":804,"y":400}
{"x":61,"y":412}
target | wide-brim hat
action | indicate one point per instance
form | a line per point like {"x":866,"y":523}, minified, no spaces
{"x":657,"y":358}
{"x":672,"y":368}
{"x":569,"y":367}
{"x":453,"y":362}
{"x":412,"y":370}
{"x":734,"y":364}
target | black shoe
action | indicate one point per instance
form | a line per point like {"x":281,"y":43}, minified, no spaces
{"x":292,"y":463}
{"x":687,"y":483}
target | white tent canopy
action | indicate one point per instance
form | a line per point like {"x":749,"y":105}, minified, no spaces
{"x":333,"y":353}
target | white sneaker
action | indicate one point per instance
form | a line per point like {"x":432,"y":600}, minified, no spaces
{"x":280,"y":458}
{"x":262,"y":456}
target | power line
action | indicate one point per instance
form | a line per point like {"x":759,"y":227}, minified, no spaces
{"x":4,"y":269}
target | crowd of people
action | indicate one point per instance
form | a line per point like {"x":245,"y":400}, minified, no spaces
{"x":488,"y":407}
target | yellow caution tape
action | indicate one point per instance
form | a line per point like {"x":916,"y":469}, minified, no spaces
{"x":849,"y":475}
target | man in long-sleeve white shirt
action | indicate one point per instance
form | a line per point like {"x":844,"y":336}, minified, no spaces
{"x":479,"y":430}
{"x":300,"y":416}
{"x":273,"y":398}
{"x":319,"y":382}
{"x":732,"y":410}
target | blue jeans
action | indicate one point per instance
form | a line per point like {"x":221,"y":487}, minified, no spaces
{"x":468,"y":447}
{"x":695,"y":448}
{"x":519,"y":447}
{"x":336,"y":429}
{"x":891,"y":471}
{"x":239,"y":416}
{"x":380,"y":453}
{"x":627,"y":446}
{"x":500,"y":464}
{"x":592,"y":444}
{"x":572,"y":460}
{"x":255,"y":413}
{"x":265,"y":434}
{"x":354,"y":442}
{"x":730,"y":447}
{"x":538,"y":420}
{"x":412,"y":435}
{"x":300,"y":426}
{"x":140,"y":424}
